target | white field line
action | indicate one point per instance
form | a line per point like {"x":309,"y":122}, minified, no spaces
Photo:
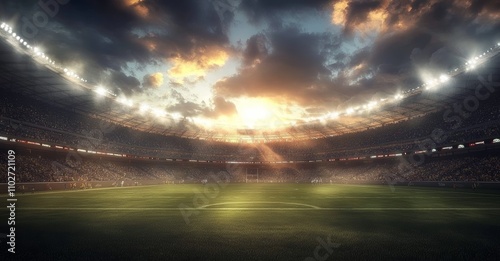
{"x":28,"y":193}
{"x":260,"y":202}
{"x":120,"y":197}
{"x":408,"y":197}
{"x":430,"y":191}
{"x":267,"y":209}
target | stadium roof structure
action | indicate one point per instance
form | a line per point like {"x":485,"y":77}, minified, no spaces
{"x":25,"y":73}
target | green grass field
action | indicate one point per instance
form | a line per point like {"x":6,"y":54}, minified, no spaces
{"x":257,"y":222}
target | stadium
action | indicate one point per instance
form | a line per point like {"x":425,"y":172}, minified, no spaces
{"x":249,"y":130}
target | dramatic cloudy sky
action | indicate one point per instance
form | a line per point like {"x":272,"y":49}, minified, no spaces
{"x":249,"y":60}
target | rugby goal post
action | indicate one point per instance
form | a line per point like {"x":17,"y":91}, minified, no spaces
{"x":252,"y":175}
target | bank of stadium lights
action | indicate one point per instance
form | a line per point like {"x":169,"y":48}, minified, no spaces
{"x":125,"y":101}
{"x":398,"y":97}
{"x":6,"y":28}
{"x":38,"y":55}
{"x":443,"y":78}
{"x":41,"y":57}
{"x":371,"y":105}
{"x":333,"y":115}
{"x":158,"y":112}
{"x":471,"y":64}
{"x":101,"y":91}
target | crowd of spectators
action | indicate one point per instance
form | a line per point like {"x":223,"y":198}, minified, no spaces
{"x":52,"y":167}
{"x":24,"y":117}
{"x":461,"y":169}
{"x":40,"y":168}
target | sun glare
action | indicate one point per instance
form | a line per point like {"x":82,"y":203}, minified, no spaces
{"x":254,"y":112}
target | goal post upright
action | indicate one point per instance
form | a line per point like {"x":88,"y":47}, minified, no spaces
{"x":251,"y":176}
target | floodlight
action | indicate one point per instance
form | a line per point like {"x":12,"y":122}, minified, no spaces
{"x":101,"y":91}
{"x":121,"y":100}
{"x":158,"y":112}
{"x":334,"y":115}
{"x":430,"y":84}
{"x":444,"y":78}
{"x":176,"y":115}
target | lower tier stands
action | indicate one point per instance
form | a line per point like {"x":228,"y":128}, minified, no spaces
{"x":42,"y":166}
